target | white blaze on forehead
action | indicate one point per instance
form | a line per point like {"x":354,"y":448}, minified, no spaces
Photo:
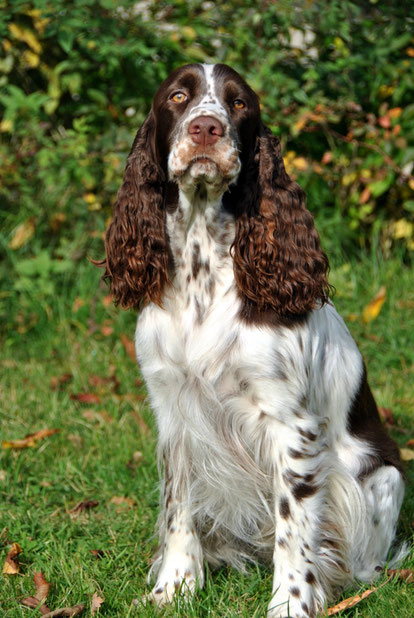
{"x":210,"y":103}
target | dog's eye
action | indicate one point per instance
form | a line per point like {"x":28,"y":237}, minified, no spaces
{"x":239,"y":104}
{"x":178,"y":97}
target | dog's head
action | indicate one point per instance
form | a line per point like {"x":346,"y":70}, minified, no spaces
{"x":204,"y":134}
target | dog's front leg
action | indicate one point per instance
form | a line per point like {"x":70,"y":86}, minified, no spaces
{"x":300,"y":477}
{"x":181,"y":553}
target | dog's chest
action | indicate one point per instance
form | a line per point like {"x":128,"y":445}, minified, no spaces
{"x":197,"y":326}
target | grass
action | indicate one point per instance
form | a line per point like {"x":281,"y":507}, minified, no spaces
{"x":92,"y":457}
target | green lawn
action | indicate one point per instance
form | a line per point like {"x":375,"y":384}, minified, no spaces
{"x":92,"y":456}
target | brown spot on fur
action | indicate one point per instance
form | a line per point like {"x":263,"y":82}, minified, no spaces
{"x":309,"y":435}
{"x":294,"y":591}
{"x":195,"y":261}
{"x":295,"y":454}
{"x":303,"y":490}
{"x":310,"y":577}
{"x":284,"y":508}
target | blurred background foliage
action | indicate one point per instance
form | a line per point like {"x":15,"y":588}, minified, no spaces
{"x":336,"y":82}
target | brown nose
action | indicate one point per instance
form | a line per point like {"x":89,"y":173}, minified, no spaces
{"x":205,"y":130}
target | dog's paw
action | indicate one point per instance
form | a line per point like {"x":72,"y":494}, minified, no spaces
{"x":178,"y":577}
{"x":297,"y":601}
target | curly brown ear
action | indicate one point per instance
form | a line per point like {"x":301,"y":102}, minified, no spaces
{"x":278,"y":261}
{"x":136,"y":244}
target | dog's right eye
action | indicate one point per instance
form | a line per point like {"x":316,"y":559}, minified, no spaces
{"x":178,"y":97}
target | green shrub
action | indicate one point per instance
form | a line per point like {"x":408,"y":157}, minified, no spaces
{"x":77,"y":78}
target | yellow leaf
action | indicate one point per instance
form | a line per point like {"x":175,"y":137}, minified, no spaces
{"x":23,"y":234}
{"x":348,"y":179}
{"x":89,"y":198}
{"x":407,"y":454}
{"x":300,"y":163}
{"x":402,"y":229}
{"x":11,"y":566}
{"x":22,"y":34}
{"x":189,"y":32}
{"x":31,"y":58}
{"x":411,"y":184}
{"x":373,"y":308}
{"x":6,"y":125}
{"x":7,"y":45}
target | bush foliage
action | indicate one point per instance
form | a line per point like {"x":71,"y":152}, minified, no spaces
{"x":77,"y":78}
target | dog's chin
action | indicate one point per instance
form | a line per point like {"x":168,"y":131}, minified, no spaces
{"x":204,"y":174}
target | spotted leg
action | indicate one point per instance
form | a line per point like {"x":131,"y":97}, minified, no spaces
{"x":182,"y":556}
{"x":299,"y":500}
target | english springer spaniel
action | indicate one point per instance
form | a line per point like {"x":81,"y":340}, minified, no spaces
{"x":270,"y":443}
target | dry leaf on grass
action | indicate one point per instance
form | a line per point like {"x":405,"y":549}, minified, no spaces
{"x":85,"y":397}
{"x":59,"y":381}
{"x":29,"y":440}
{"x":129,"y":347}
{"x":121,"y":501}
{"x":371,"y":311}
{"x":351,"y":601}
{"x":135,"y":460}
{"x":410,"y":443}
{"x":42,"y":590}
{"x":83,"y":505}
{"x":11,"y":565}
{"x":96,"y":603}
{"x":66,"y":611}
{"x":405,"y":575}
{"x":98,"y":553}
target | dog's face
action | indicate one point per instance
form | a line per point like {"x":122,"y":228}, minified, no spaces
{"x":206,"y":118}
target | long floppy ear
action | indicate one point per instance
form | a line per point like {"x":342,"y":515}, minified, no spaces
{"x":278,"y":261}
{"x":136,"y":243}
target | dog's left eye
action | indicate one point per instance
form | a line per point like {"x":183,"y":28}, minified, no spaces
{"x":179,"y":97}
{"x":239,"y":104}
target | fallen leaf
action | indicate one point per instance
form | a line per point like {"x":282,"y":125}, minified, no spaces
{"x":386,"y":415}
{"x":351,"y":601}
{"x":406,"y":454}
{"x":138,"y":382}
{"x":76,"y":439}
{"x":66,"y":611}
{"x":93,"y":415}
{"x":11,"y":566}
{"x":405,"y":575}
{"x":30,"y":440}
{"x":135,"y":460}
{"x":42,"y":586}
{"x":86,"y":397}
{"x":98,"y":553}
{"x":410,"y":443}
{"x":83,"y":505}
{"x":129,"y":347}
{"x":371,"y":311}
{"x":121,"y":500}
{"x":3,"y":476}
{"x":59,"y":381}
{"x":34,"y":603}
{"x":42,"y":590}
{"x":96,"y":603}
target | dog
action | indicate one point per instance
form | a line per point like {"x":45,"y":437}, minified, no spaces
{"x":269,"y":440}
